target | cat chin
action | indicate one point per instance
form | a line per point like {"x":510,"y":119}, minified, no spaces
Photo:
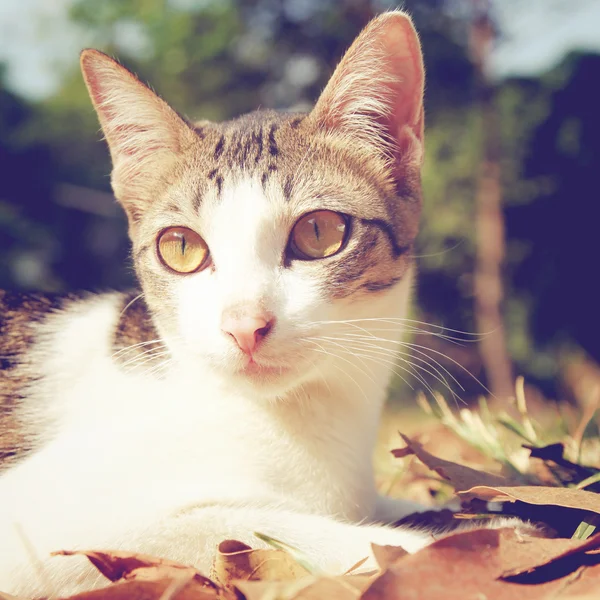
{"x":264,"y":381}
{"x":267,"y":385}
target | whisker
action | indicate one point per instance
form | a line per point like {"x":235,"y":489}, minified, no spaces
{"x":354,"y":353}
{"x":156,"y":368}
{"x":436,"y":373}
{"x":440,"y":253}
{"x":342,"y":370}
{"x":399,"y":352}
{"x":452,"y":360}
{"x":409,"y":325}
{"x":131,"y":303}
{"x":395,"y":366}
{"x":342,"y":358}
{"x":146,"y":360}
{"x":145,"y":353}
{"x":134,"y":346}
{"x":343,"y":348}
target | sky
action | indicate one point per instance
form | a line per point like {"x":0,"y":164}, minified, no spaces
{"x":38,"y":42}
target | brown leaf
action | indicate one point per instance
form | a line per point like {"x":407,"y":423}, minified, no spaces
{"x":387,"y":555}
{"x":468,"y":565}
{"x":523,"y":554}
{"x":310,"y":588}
{"x":538,"y":495}
{"x":161,"y":589}
{"x":236,"y":560}
{"x":459,"y":476}
{"x":118,"y":565}
{"x":567,"y":471}
{"x":142,"y":577}
{"x":402,"y":452}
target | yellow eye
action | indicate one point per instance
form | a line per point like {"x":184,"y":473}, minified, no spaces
{"x":318,"y":234}
{"x":181,"y":249}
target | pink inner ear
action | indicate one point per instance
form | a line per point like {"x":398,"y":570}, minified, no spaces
{"x":89,"y":66}
{"x":405,"y":56}
{"x":376,"y":93}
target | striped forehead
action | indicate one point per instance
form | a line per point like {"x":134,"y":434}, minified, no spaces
{"x":250,"y":145}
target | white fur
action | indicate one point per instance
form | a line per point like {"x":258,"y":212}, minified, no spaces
{"x":172,"y":465}
{"x":170,"y":461}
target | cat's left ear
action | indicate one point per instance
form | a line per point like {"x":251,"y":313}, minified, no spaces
{"x":375,"y":95}
{"x":144,"y":134}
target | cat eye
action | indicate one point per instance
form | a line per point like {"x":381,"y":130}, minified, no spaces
{"x":182,"y":250}
{"x":319,"y":234}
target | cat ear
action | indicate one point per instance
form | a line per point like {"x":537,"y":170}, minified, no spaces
{"x":375,"y":95}
{"x":144,"y":134}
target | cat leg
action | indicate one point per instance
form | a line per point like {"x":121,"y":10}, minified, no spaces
{"x":192,"y":536}
{"x":333,"y":546}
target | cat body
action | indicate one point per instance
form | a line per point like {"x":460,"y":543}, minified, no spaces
{"x":241,"y":390}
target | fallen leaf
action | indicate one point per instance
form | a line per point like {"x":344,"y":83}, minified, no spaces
{"x":468,"y":565}
{"x":237,"y":561}
{"x":402,"y":452}
{"x":538,"y":495}
{"x":459,"y":476}
{"x":524,"y":554}
{"x":162,"y":589}
{"x":568,"y":472}
{"x":142,"y":577}
{"x":387,"y":555}
{"x":118,"y":565}
{"x":311,"y":588}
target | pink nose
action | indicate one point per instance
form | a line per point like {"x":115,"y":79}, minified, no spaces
{"x":247,"y":331}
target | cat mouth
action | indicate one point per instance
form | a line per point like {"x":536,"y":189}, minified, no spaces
{"x":257,"y":370}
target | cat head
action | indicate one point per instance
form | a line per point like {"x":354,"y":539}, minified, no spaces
{"x":263,"y":244}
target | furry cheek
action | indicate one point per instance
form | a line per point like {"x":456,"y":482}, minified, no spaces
{"x":199,"y":308}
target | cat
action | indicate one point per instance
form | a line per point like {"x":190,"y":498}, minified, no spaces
{"x":230,"y":395}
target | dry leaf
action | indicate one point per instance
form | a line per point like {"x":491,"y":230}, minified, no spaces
{"x":538,"y":495}
{"x":387,"y":555}
{"x":142,"y":577}
{"x":524,"y":554}
{"x":235,"y":560}
{"x":459,"y":476}
{"x":468,"y":566}
{"x":311,"y":588}
{"x":117,"y":565}
{"x":162,"y":589}
{"x":569,"y":472}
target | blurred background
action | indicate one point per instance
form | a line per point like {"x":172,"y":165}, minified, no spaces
{"x":509,"y":246}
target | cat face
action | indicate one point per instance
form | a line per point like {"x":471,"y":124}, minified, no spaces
{"x":261,"y":241}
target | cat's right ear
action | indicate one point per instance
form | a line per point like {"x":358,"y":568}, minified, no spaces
{"x":375,"y":96}
{"x":144,"y":134}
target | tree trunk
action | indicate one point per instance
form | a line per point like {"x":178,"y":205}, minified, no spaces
{"x":488,"y":283}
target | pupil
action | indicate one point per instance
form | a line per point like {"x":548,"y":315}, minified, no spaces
{"x":182,"y":244}
{"x":316,"y":228}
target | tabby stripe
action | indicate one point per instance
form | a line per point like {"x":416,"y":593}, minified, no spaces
{"x":257,"y":138}
{"x":265,"y":176}
{"x":273,"y":148}
{"x":288,"y":187}
{"x":378,"y":286}
{"x":296,"y":122}
{"x":219,"y":147}
{"x":387,"y":229}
